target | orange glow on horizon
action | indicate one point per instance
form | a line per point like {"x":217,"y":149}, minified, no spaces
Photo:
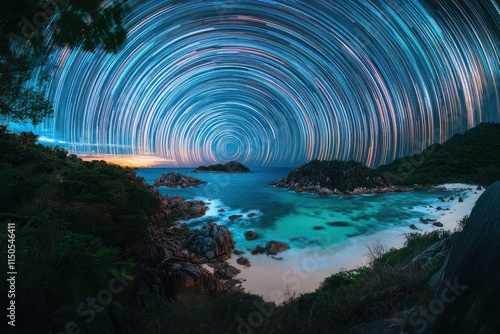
{"x":129,"y":160}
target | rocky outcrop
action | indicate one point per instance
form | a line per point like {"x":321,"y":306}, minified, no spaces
{"x":433,"y":255}
{"x":176,"y":208}
{"x":335,"y":177}
{"x":168,"y":270}
{"x":230,"y":167}
{"x":471,"y":276}
{"x":174,"y":179}
{"x":213,"y":243}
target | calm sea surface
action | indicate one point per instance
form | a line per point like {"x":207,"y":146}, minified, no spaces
{"x":303,"y":220}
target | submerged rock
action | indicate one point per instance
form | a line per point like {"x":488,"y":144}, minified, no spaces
{"x":338,"y":224}
{"x":251,"y":235}
{"x":274,"y":247}
{"x":212,"y":243}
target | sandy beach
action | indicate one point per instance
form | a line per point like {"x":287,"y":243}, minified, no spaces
{"x":303,"y":270}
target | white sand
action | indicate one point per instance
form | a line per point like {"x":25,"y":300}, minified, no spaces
{"x":304,"y":270}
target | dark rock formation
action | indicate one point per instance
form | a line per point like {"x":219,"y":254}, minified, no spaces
{"x":471,"y":275}
{"x":225,"y":271}
{"x":258,"y":250}
{"x":213,"y":243}
{"x":437,"y":224}
{"x":169,"y":270}
{"x":433,"y":255}
{"x":251,"y":214}
{"x":316,"y":228}
{"x":335,"y":177}
{"x":174,"y":179}
{"x":230,"y":167}
{"x":275,"y":247}
{"x":243,"y":261}
{"x":251,"y":235}
{"x":176,"y":208}
{"x":234,"y":217}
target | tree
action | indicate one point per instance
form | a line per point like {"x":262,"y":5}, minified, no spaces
{"x":29,"y":32}
{"x":27,"y":139}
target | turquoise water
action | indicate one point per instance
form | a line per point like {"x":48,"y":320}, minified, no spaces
{"x":302,"y":220}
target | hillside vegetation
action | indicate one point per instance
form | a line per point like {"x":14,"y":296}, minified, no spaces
{"x":230,"y":167}
{"x":76,"y":222}
{"x":472,"y":157}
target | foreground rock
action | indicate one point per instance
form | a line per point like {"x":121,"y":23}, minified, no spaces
{"x":472,"y":271}
{"x":212,"y":243}
{"x":335,"y":177}
{"x":174,"y":179}
{"x":176,"y":208}
{"x":230,"y":167}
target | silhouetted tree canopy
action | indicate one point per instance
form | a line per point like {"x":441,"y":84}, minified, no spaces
{"x":29,"y":32}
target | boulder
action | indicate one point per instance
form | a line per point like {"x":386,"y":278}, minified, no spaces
{"x":243,"y":261}
{"x":251,"y":214}
{"x":234,"y":217}
{"x":437,"y":224}
{"x":274,"y":247}
{"x":213,"y":243}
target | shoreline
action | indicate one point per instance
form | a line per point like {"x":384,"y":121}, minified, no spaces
{"x":303,"y":270}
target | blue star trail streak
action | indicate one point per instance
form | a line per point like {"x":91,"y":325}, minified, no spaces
{"x":278,"y":83}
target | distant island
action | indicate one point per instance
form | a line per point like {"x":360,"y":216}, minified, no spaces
{"x":230,"y":167}
{"x":175,"y":179}
{"x":471,"y":157}
{"x":335,"y":177}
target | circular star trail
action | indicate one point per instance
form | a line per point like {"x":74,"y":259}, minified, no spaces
{"x":278,"y":83}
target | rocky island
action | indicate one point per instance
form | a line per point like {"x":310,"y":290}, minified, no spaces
{"x":174,"y":179}
{"x":230,"y":167}
{"x":335,"y":177}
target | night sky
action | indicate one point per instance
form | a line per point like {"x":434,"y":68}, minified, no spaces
{"x":278,"y":83}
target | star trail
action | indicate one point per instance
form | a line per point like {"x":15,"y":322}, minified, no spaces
{"x":278,"y":83}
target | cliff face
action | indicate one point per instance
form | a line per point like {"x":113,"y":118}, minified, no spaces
{"x":335,"y":177}
{"x":470,"y":290}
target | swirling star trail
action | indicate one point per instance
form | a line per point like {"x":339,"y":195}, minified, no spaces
{"x":277,"y":83}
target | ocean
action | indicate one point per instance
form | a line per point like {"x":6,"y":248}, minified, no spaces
{"x":302,"y":220}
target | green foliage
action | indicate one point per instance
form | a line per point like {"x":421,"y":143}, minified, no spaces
{"x":470,"y":158}
{"x":344,"y":176}
{"x":204,"y":313}
{"x":27,"y":40}
{"x":230,"y":167}
{"x":76,"y":222}
{"x":351,"y":297}
{"x":415,"y":244}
